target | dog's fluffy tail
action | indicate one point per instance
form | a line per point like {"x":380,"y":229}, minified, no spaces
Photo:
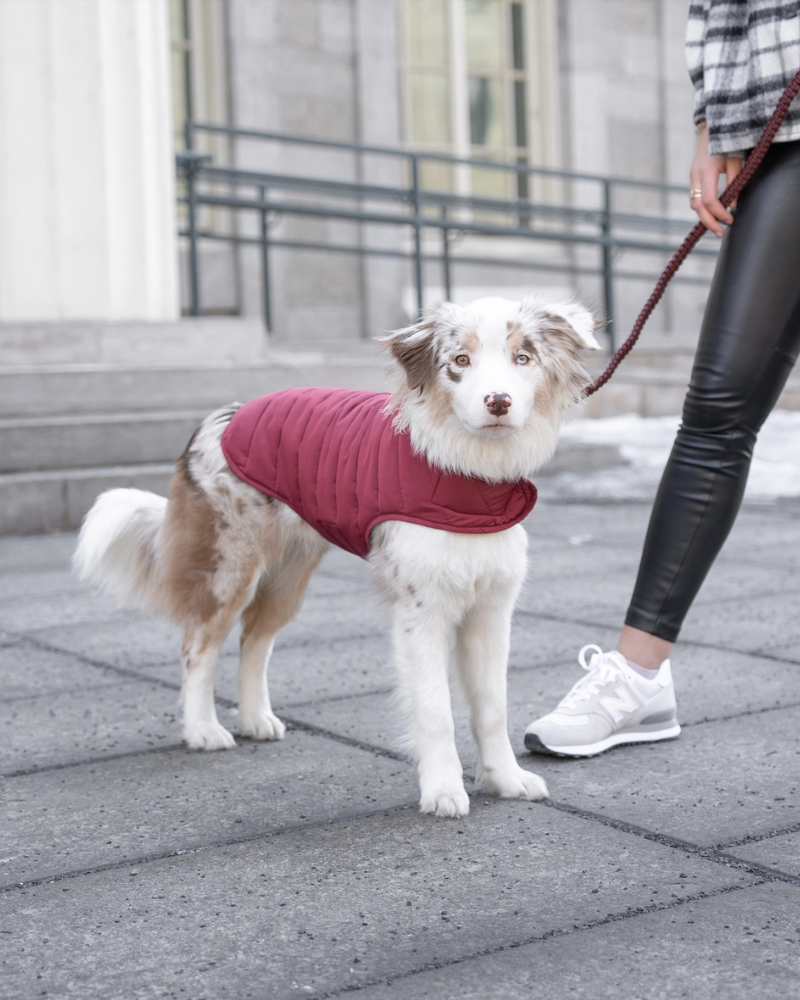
{"x":118,"y":545}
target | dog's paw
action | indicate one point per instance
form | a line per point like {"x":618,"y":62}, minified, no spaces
{"x":209,"y":737}
{"x":262,"y":727}
{"x":516,"y":784}
{"x":452,"y":803}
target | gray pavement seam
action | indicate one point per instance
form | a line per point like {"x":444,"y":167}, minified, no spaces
{"x":740,"y":715}
{"x":329,"y":641}
{"x":225,"y":702}
{"x":313,"y":702}
{"x":10,"y":601}
{"x":14,"y":699}
{"x":90,"y":661}
{"x":756,"y":838}
{"x":676,"y":843}
{"x":25,"y":772}
{"x":763,"y":654}
{"x":761,"y":872}
{"x":146,"y":859}
{"x":291,"y":724}
{"x":550,"y":617}
{"x":297,"y":724}
{"x":558,"y":932}
{"x":348,"y":741}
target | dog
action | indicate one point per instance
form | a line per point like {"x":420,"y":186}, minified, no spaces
{"x":479,"y":393}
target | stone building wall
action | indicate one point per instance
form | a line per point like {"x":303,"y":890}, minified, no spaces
{"x":324,"y":68}
{"x":329,"y":68}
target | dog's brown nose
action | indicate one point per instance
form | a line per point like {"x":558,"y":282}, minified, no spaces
{"x":498,"y":403}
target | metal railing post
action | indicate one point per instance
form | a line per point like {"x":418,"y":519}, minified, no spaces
{"x":417,"y":231}
{"x":194,"y":266}
{"x":448,"y":290}
{"x":608,"y":265}
{"x":190,"y":163}
{"x":265,"y":296}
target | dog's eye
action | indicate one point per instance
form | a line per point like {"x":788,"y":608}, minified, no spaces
{"x":522,"y":359}
{"x":462,"y":360}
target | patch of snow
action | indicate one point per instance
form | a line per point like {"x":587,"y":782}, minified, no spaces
{"x":645,"y":443}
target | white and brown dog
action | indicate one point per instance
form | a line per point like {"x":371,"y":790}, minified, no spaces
{"x":480,"y":392}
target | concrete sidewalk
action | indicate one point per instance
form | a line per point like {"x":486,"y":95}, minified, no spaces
{"x":133,"y":868}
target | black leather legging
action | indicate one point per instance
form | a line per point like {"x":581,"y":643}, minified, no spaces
{"x":748,"y":344}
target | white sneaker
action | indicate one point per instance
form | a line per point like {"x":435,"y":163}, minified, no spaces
{"x":611,"y":705}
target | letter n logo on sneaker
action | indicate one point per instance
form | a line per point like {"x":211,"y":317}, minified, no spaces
{"x":619,"y":704}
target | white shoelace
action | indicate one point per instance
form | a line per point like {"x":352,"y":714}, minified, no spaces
{"x":601,"y":670}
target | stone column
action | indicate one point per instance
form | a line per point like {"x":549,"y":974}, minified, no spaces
{"x":87,"y":192}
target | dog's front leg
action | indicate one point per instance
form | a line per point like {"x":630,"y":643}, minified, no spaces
{"x":482,"y":644}
{"x":421,"y":646}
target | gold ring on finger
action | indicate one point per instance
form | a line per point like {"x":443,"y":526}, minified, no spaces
{"x":695,"y":193}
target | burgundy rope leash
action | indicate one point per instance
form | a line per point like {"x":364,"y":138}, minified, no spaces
{"x":751,"y":164}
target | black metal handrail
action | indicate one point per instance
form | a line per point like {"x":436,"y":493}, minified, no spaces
{"x":419,"y":209}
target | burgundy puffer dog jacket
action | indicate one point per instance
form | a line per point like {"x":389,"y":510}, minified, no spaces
{"x":334,"y":457}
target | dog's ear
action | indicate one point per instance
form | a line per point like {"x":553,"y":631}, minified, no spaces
{"x":572,"y":321}
{"x":583,"y":323}
{"x":414,"y":349}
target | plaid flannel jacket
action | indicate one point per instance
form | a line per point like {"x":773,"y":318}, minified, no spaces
{"x":742,"y":54}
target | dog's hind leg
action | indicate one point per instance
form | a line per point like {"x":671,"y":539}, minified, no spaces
{"x":482,"y":645}
{"x":277,"y":600}
{"x":201,"y":643}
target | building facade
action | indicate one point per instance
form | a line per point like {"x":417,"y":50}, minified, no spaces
{"x":94,"y":95}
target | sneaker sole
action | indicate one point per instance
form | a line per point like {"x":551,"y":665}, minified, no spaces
{"x":535,"y":745}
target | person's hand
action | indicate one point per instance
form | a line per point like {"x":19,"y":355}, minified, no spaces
{"x":703,"y":183}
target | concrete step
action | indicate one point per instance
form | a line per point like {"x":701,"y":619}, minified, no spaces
{"x":56,"y":500}
{"x":39,"y":390}
{"x":663,"y":351}
{"x":650,"y":392}
{"x":658,"y":392}
{"x":211,"y":339}
{"x":32,"y":444}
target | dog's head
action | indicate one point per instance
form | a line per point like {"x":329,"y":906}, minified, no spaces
{"x":483,"y":387}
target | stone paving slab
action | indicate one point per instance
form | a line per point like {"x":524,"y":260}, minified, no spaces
{"x":729,"y":945}
{"x":36,"y":551}
{"x":603,"y":589}
{"x":100,"y":813}
{"x":619,"y":526}
{"x":72,"y":725}
{"x":133,"y":641}
{"x":753,"y":786}
{"x":98,"y":685}
{"x":733,"y":778}
{"x":790,"y":652}
{"x":78,"y":606}
{"x":336,"y":905}
{"x":309,"y":664}
{"x":711,"y":684}
{"x":769,"y":623}
{"x":29,"y":672}
{"x":317,"y":667}
{"x":762,"y":540}
{"x":782,"y":853}
{"x":123,"y":637}
{"x":35,"y":582}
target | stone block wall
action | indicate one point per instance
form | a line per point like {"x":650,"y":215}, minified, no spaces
{"x":329,"y":68}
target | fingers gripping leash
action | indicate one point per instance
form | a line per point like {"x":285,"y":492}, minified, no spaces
{"x":728,"y":196}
